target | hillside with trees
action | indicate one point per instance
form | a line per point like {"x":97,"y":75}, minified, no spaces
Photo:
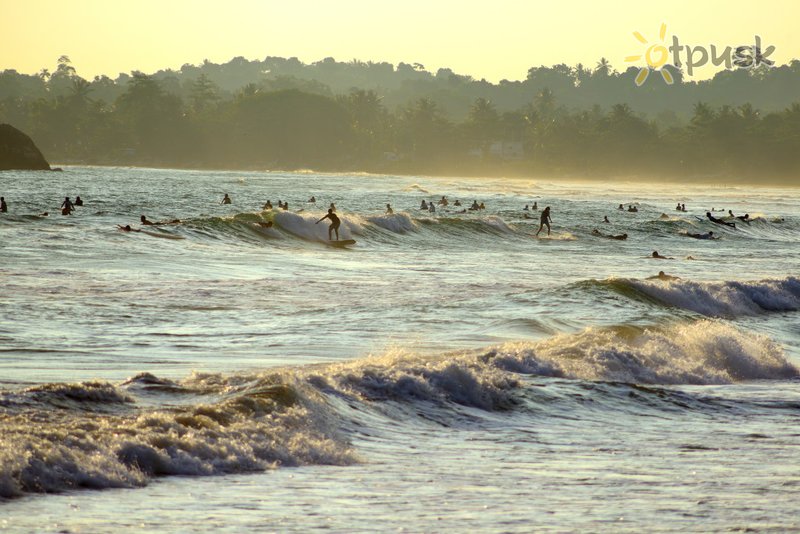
{"x":283,"y":114}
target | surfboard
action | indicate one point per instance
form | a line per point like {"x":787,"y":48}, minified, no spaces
{"x":341,"y":243}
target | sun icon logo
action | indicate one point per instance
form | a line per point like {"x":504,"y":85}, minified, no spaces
{"x":655,"y":56}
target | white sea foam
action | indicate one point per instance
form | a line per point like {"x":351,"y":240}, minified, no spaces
{"x":728,"y":299}
{"x":398,"y":223}
{"x":496,"y":222}
{"x":251,"y":421}
{"x":42,"y":450}
{"x":705,"y":352}
{"x":305,"y":226}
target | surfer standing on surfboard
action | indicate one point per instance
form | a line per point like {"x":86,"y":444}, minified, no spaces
{"x":335,"y":222}
{"x":545,"y":220}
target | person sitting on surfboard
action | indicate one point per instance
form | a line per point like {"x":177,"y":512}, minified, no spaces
{"x":335,"y":222}
{"x":545,"y":220}
{"x":145,"y":221}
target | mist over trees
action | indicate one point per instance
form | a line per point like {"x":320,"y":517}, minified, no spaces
{"x":283,"y":114}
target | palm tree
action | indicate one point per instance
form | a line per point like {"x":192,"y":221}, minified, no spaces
{"x":603,"y":67}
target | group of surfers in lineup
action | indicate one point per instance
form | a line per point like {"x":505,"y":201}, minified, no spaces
{"x":67,"y":207}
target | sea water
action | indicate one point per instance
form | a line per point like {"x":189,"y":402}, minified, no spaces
{"x":448,"y":372}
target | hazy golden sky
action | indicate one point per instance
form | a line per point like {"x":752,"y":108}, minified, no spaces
{"x":488,"y":39}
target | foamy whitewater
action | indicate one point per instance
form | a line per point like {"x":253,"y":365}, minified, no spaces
{"x":448,"y":372}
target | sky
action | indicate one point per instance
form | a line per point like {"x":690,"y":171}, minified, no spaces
{"x":495,"y":40}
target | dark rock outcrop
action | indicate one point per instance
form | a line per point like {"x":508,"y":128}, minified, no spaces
{"x":18,"y":152}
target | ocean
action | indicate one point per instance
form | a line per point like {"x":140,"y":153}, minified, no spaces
{"x":450,"y":371}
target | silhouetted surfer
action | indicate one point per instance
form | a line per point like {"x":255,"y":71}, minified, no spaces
{"x":620,"y":237}
{"x":3,"y":205}
{"x":145,"y":222}
{"x":335,"y":222}
{"x":389,"y":209}
{"x":719,"y":221}
{"x":545,"y":220}
{"x":78,"y":201}
{"x":657,"y":256}
{"x":67,"y":206}
{"x":226,"y":199}
{"x":709,"y":235}
{"x":662,"y":276}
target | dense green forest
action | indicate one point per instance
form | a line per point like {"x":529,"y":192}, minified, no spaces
{"x":283,"y":114}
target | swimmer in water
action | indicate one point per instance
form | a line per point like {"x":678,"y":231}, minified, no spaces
{"x":545,"y":221}
{"x":78,"y":201}
{"x":268,"y":205}
{"x":605,"y":219}
{"x":3,"y":205}
{"x":389,"y":209}
{"x":424,"y":205}
{"x":335,"y":222}
{"x":662,"y":276}
{"x":226,"y":199}
{"x":145,"y":222}
{"x":657,"y":256}
{"x":127,"y":228}
{"x":312,"y":199}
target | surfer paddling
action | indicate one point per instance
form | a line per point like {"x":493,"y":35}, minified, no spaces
{"x":335,"y":222}
{"x":719,"y":221}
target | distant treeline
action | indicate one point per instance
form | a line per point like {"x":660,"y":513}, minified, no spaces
{"x":282,"y":114}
